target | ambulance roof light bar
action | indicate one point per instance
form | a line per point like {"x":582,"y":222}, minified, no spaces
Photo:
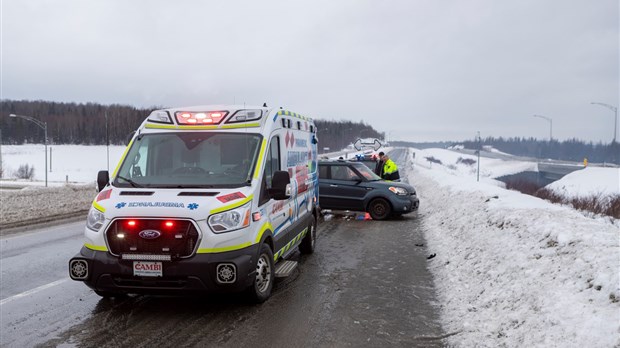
{"x":193,"y":118}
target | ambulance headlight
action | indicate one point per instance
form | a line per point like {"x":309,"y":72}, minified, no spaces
{"x":230,"y":220}
{"x":95,"y":219}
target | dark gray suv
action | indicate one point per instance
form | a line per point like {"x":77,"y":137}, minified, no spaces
{"x":345,"y":185}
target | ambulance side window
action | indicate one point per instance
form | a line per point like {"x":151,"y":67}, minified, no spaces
{"x":272,"y":164}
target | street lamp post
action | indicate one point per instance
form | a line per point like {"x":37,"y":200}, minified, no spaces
{"x":42,"y":125}
{"x":550,"y":125}
{"x":615,"y":110}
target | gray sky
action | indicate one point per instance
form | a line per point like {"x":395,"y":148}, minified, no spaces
{"x":417,"y":70}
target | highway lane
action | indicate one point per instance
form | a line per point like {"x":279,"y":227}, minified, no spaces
{"x":37,"y":298}
{"x":366,"y":285}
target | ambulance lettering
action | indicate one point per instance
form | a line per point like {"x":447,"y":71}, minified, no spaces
{"x":277,"y":206}
{"x":155,"y":204}
{"x":295,"y":158}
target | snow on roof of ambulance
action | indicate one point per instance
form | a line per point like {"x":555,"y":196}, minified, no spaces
{"x":216,"y":107}
{"x":160,"y":115}
{"x":207,"y":117}
{"x":229,"y":107}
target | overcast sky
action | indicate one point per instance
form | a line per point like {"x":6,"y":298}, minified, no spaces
{"x":417,"y":70}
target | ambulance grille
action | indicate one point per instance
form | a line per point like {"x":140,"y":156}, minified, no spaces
{"x":177,"y":238}
{"x":137,"y":193}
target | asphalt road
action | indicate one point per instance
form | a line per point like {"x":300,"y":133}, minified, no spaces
{"x":366,"y":285}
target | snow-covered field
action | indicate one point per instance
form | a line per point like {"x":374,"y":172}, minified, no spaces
{"x":79,"y":163}
{"x":513,"y":270}
{"x":489,"y":167}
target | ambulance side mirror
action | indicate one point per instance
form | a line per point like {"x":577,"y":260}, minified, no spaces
{"x":280,"y":185}
{"x":103,"y":178}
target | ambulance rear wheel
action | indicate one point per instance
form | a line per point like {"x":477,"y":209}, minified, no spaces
{"x":307,"y":244}
{"x":260,"y":290}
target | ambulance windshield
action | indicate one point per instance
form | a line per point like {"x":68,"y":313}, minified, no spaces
{"x":190,"y":160}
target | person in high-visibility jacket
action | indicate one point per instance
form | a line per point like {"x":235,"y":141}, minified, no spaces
{"x":390,"y":169}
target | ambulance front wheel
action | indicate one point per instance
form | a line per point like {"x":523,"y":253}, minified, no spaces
{"x":260,"y":290}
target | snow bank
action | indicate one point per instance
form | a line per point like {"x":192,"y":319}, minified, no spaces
{"x":514,"y":270}
{"x":39,"y":204}
{"x":588,"y":182}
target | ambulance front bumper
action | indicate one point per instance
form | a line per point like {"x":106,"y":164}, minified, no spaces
{"x":231,"y":271}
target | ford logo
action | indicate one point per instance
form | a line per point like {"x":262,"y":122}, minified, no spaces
{"x":149,"y":234}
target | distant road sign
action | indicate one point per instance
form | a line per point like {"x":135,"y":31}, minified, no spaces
{"x":364,"y":144}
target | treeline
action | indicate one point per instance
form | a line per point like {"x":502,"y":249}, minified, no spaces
{"x":567,"y":150}
{"x":69,"y":123}
{"x":94,"y":124}
{"x":337,"y":135}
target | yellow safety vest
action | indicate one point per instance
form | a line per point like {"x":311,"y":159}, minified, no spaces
{"x":389,"y":167}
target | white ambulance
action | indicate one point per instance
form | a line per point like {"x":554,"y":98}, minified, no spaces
{"x":206,"y":198}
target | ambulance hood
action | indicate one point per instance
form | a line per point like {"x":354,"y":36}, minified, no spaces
{"x":170,"y":203}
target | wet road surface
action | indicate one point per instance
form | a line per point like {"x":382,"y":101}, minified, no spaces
{"x":366,"y":285}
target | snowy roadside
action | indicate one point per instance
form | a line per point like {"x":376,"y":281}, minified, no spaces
{"x":514,"y":270}
{"x":32,"y":205}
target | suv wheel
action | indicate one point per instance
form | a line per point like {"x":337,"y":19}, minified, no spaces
{"x":379,"y":209}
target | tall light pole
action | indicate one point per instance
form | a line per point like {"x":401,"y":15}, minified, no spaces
{"x":615,"y":110}
{"x":42,"y":125}
{"x":479,"y":139}
{"x":550,"y":125}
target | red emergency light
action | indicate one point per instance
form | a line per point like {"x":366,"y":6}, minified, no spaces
{"x":131,"y":223}
{"x":200,"y":118}
{"x":169,"y":223}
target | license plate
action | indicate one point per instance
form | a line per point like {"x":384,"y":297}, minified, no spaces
{"x":147,"y":269}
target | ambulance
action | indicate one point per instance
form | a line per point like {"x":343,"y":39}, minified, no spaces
{"x":204,"y":199}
